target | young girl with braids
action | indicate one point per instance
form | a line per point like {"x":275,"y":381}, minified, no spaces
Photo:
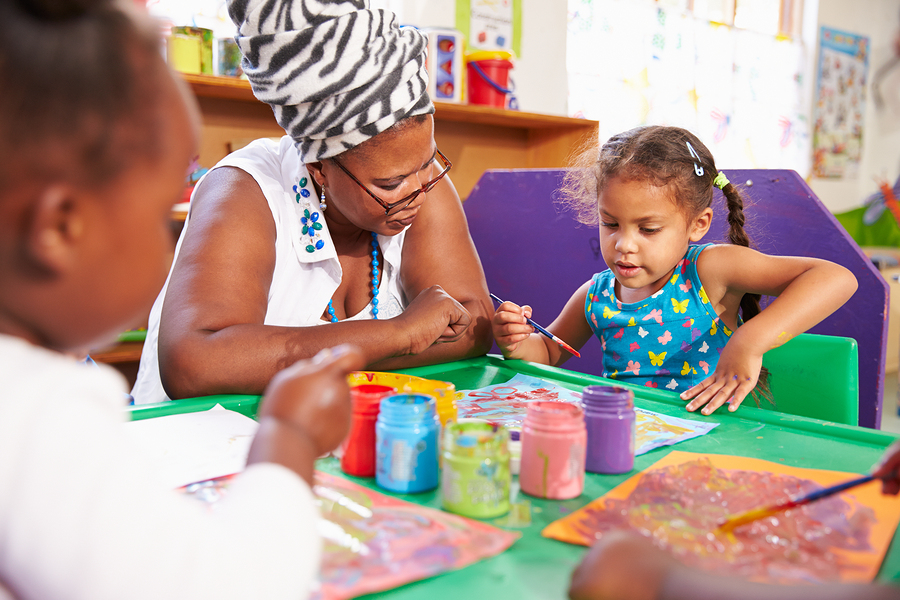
{"x":671,"y":314}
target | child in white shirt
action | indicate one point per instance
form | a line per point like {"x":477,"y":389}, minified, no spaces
{"x":96,"y":135}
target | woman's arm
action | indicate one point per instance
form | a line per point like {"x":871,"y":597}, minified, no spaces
{"x":212,"y":337}
{"x":438,"y":250}
{"x":807,"y":290}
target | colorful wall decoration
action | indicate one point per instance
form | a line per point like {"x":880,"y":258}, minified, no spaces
{"x":680,"y":501}
{"x":840,"y":103}
{"x":636,"y":63}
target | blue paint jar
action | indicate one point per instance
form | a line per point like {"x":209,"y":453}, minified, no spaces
{"x":406,"y":438}
{"x":610,"y":421}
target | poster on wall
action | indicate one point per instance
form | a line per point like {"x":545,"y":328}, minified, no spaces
{"x":840,"y":103}
{"x":491,"y":24}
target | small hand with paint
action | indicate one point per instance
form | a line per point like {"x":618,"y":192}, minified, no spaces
{"x":888,"y":469}
{"x":735,"y":377}
{"x":510,"y":326}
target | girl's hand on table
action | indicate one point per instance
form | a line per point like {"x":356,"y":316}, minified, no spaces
{"x":621,"y":566}
{"x":735,"y":377}
{"x":433,"y":317}
{"x":510,"y":327}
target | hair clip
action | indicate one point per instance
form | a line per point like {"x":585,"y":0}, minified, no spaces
{"x":721,"y":181}
{"x":698,"y":168}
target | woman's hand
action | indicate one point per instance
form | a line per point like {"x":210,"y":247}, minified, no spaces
{"x":621,"y":566}
{"x":510,"y":327}
{"x":433,"y":317}
{"x":735,"y":377}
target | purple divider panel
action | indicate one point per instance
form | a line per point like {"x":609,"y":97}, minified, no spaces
{"x":535,"y":253}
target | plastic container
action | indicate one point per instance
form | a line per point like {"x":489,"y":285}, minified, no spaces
{"x":487,"y":74}
{"x":358,"y":448}
{"x":444,"y":392}
{"x":609,"y":418}
{"x":554,"y":441}
{"x":475,"y":477}
{"x":406,"y":437}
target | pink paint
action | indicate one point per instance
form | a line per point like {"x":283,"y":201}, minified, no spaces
{"x":554,"y":444}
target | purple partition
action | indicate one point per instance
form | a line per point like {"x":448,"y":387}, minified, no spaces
{"x":533,"y":253}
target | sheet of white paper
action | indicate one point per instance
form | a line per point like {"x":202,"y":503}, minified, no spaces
{"x":194,"y":446}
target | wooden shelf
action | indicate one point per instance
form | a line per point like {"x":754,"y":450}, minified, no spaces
{"x":474,"y":137}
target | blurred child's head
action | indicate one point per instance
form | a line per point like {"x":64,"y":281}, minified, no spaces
{"x":95,"y":139}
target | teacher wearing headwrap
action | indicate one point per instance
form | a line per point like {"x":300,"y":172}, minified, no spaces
{"x":347,"y":230}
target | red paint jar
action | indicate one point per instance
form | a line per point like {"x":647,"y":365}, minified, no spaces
{"x":358,"y":448}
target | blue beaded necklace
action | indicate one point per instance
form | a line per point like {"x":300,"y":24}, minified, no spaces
{"x":334,"y":318}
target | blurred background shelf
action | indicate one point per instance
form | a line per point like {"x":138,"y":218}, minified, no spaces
{"x":475,"y":138}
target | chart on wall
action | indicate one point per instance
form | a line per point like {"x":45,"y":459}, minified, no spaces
{"x":491,"y":24}
{"x":635,"y":63}
{"x":840,"y":103}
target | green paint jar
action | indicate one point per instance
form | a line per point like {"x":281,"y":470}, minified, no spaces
{"x":475,"y":478}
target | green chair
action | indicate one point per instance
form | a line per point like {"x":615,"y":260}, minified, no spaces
{"x":815,"y":376}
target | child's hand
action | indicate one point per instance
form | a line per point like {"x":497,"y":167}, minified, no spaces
{"x":510,"y":327}
{"x":886,"y":469}
{"x":313,"y":397}
{"x":734,"y":378}
{"x":621,"y":566}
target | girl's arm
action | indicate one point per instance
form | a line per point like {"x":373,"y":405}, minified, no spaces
{"x":807,"y":290}
{"x":517,"y":339}
{"x":212,"y":337}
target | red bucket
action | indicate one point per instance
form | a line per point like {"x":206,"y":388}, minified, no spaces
{"x":488,"y":81}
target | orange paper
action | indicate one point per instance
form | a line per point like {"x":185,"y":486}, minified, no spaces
{"x":680,"y":499}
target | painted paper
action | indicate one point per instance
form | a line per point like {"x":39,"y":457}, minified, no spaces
{"x":506,"y":403}
{"x":680,"y":501}
{"x":840,"y":103}
{"x":373,"y":542}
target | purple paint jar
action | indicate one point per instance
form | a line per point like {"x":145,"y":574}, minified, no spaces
{"x":609,"y":418}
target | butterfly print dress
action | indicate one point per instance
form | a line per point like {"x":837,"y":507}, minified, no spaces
{"x":671,"y":340}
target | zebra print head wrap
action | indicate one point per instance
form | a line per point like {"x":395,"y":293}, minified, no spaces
{"x":334,"y":72}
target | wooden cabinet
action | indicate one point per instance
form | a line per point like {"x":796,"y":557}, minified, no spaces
{"x":475,"y":138}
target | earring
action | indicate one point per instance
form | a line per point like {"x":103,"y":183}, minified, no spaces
{"x":322,"y":205}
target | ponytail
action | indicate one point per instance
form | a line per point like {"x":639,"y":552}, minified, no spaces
{"x":734,"y":201}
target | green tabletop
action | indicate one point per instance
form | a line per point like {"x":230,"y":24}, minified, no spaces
{"x":539,"y":568}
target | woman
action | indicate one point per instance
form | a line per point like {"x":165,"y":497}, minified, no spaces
{"x":347,"y":230}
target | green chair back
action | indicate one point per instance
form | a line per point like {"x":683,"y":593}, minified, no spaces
{"x":815,"y":376}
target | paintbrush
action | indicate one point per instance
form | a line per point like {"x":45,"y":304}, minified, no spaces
{"x":761,"y":513}
{"x":545,"y":332}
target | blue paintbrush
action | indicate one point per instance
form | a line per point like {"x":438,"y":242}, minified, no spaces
{"x":545,"y":332}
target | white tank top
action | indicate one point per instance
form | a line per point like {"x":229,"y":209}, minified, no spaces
{"x":303,"y":282}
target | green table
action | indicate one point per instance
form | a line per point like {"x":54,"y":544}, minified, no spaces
{"x":539,"y":568}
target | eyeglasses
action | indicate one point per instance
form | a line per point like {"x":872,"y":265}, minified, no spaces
{"x":392,"y":208}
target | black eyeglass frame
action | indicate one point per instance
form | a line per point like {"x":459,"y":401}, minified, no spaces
{"x":406,"y":200}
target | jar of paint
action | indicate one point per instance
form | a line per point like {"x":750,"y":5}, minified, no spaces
{"x":554,"y":441}
{"x":358,"y":448}
{"x":406,"y":438}
{"x":515,"y":449}
{"x":444,"y":394}
{"x":610,"y":421}
{"x":475,"y":476}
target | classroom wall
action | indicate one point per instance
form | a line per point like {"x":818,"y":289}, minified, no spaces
{"x":540,"y":73}
{"x":880,"y":20}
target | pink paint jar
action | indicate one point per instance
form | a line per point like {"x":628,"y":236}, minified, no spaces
{"x":554,"y":443}
{"x":358,"y":448}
